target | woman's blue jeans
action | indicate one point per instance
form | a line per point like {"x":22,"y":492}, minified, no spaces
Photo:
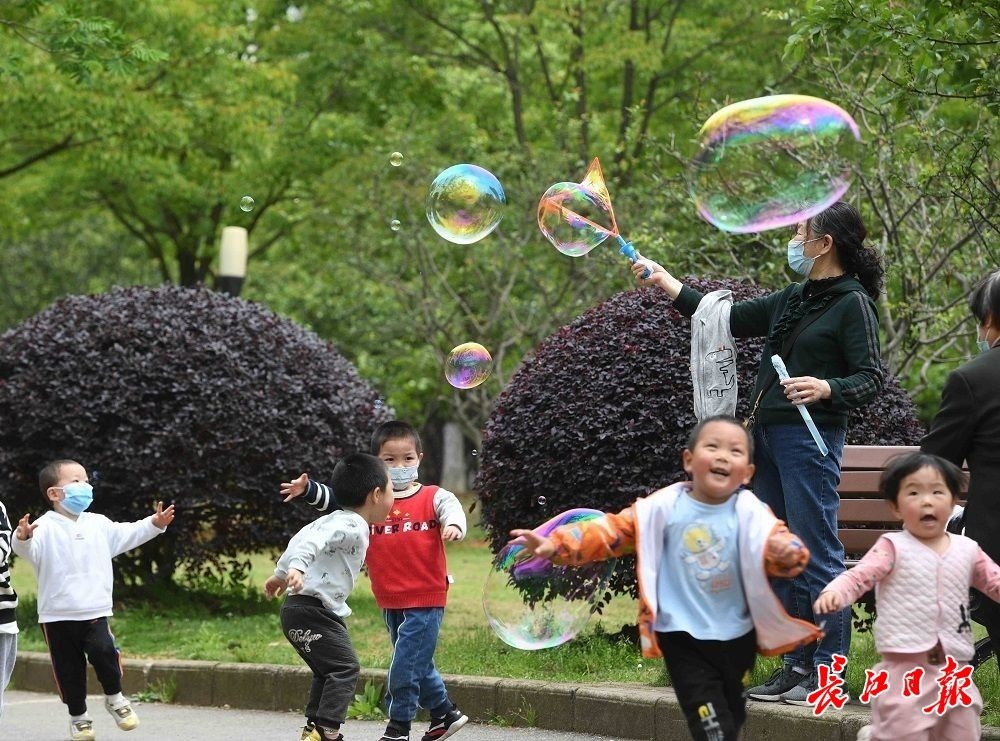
{"x":413,"y":679}
{"x":799,"y":484}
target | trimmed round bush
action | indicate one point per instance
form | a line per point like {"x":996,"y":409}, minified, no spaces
{"x":182,"y":395}
{"x":600,"y":413}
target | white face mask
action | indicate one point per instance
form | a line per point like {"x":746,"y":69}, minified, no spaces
{"x":402,"y":477}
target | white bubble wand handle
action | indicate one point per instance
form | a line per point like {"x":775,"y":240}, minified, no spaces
{"x":782,"y":371}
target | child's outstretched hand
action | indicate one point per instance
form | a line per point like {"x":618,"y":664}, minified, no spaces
{"x":295,"y":487}
{"x":163,"y":517}
{"x":24,"y":529}
{"x":274,"y":586}
{"x":785,"y":555}
{"x":295,"y":581}
{"x":452,"y":532}
{"x":827,"y":602}
{"x":534,"y":543}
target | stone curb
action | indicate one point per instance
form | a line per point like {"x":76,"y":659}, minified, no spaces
{"x":615,"y":710}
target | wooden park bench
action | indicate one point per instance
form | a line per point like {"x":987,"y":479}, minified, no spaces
{"x":864,"y":515}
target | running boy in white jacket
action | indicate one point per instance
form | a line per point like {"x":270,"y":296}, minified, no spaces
{"x":71,"y":551}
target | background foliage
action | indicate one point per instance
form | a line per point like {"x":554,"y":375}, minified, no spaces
{"x":182,"y":395}
{"x":601,"y":411}
{"x":131,"y":132}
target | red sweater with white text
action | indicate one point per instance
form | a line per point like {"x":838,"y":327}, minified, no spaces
{"x":406,"y":561}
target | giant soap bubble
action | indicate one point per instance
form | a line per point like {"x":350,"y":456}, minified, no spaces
{"x":574,"y":218}
{"x":531,"y":603}
{"x":465,"y":203}
{"x":773,"y":161}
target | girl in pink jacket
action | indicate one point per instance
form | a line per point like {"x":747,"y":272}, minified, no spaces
{"x":922,"y":689}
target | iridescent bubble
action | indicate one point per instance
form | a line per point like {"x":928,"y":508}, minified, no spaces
{"x":465,"y":203}
{"x":378,"y":403}
{"x":396,"y":159}
{"x":773,"y":161}
{"x":531,"y":603}
{"x":542,"y":501}
{"x":468,"y":365}
{"x":394,"y":225}
{"x":246,"y":203}
{"x":574,"y":218}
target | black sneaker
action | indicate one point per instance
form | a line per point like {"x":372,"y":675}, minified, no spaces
{"x":984,"y":652}
{"x":447,"y":726}
{"x":781,"y":680}
{"x":394,"y":736}
{"x":798,"y":694}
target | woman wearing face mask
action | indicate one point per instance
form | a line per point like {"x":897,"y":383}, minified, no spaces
{"x":966,"y":429}
{"x":826,"y":331}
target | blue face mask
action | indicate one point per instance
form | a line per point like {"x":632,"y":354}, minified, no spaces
{"x":402,"y":477}
{"x":797,"y":259}
{"x":78,"y":496}
{"x":984,"y":344}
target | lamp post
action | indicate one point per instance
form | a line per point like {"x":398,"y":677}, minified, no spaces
{"x":232,"y":260}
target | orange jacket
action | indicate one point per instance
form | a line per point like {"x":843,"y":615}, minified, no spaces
{"x":639,"y":529}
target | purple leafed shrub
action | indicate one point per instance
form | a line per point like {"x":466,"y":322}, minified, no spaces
{"x":600,"y":413}
{"x":182,"y":395}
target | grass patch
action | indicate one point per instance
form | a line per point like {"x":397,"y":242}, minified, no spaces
{"x":235,"y":623}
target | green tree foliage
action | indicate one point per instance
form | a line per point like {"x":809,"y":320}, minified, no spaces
{"x":57,"y":60}
{"x":922,"y":81}
{"x":164,"y":115}
{"x":181,"y":395}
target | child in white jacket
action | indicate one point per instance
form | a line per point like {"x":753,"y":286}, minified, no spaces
{"x":704,"y":549}
{"x":71,"y":551}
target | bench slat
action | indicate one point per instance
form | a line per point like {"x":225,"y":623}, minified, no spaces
{"x":859,"y":541}
{"x":863,"y":482}
{"x":873,"y":456}
{"x":866,"y":510}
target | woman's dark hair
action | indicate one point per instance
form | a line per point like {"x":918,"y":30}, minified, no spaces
{"x":985,"y":298}
{"x":843,"y":222}
{"x":903,"y":465}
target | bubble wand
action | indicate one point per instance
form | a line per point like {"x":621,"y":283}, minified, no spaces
{"x":782,"y":371}
{"x":577,"y":217}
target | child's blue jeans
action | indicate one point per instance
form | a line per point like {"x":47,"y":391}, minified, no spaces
{"x":413,"y":679}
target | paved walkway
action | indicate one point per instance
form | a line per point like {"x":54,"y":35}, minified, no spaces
{"x":34,"y":716}
{"x":215,"y":700}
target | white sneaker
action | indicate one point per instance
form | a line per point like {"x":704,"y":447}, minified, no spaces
{"x":123,"y":714}
{"x":81,"y":730}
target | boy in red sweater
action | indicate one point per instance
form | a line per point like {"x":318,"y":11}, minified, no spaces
{"x":413,"y":597}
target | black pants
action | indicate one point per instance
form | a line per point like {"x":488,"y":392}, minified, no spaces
{"x":71,"y":644}
{"x":708,"y":677}
{"x":321,"y":639}
{"x":986,"y":612}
